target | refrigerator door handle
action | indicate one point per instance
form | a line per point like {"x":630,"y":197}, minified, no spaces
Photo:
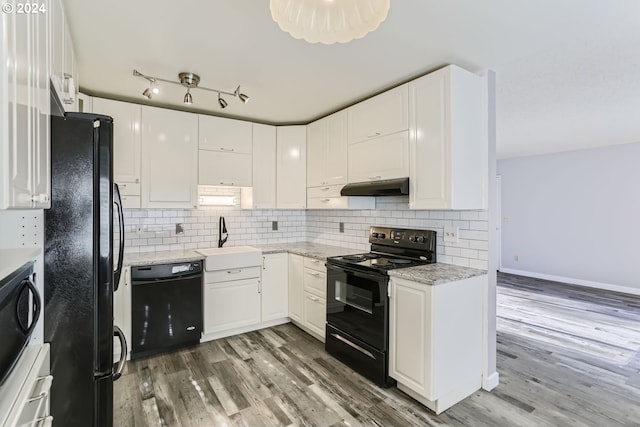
{"x":124,"y":350}
{"x":118,"y":202}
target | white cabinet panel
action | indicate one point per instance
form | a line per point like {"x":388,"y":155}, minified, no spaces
{"x":448,"y":148}
{"x":385,"y":157}
{"x":316,"y":153}
{"x":315,"y":314}
{"x":25,"y":155}
{"x":275,"y":286}
{"x":315,"y":281}
{"x":63,"y":67}
{"x":222,"y":134}
{"x":170,"y":158}
{"x":264,"y":168}
{"x":327,"y":150}
{"x":291,"y":188}
{"x":296,"y":277}
{"x":230,"y":305}
{"x":224,"y":168}
{"x":126,"y":138}
{"x":381,"y":115}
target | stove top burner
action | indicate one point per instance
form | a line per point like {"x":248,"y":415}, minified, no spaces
{"x":374,"y":261}
{"x":399,"y":261}
{"x":360,"y":257}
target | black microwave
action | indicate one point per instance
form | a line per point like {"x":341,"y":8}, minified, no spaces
{"x":20,"y":306}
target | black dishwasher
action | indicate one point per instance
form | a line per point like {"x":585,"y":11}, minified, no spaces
{"x":166,"y":307}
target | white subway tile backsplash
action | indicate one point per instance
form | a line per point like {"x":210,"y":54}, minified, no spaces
{"x":247,"y":227}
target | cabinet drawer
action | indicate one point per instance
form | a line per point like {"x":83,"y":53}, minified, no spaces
{"x":315,"y":313}
{"x":316,"y":264}
{"x":325,"y":191}
{"x":231,"y":274}
{"x":131,"y":202}
{"x":216,"y":168}
{"x":129,"y":188}
{"x":315,"y":282}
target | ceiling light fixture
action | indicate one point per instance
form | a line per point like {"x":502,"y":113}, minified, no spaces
{"x":222,"y":102}
{"x":190,"y":81}
{"x":329,"y":21}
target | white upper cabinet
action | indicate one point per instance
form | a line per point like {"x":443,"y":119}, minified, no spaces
{"x":448,"y":148}
{"x":169,"y":158}
{"x":385,"y":157}
{"x":291,"y":182}
{"x":225,"y":151}
{"x":327,"y":150}
{"x":126,"y":137}
{"x":63,"y":67}
{"x":25,"y":154}
{"x":381,"y":115}
{"x":263,"y":193}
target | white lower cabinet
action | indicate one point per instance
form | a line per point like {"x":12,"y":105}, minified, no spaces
{"x":275,"y":289}
{"x":296,"y":274}
{"x":435,"y":340}
{"x":307,"y":294}
{"x":122,"y":311}
{"x":230,"y":305}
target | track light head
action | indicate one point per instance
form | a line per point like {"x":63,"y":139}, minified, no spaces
{"x":147,"y":93}
{"x":222,"y":102}
{"x":155,"y":87}
{"x":188,"y":99}
{"x":244,"y":98}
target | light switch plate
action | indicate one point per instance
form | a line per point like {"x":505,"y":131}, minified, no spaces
{"x":451,"y":233}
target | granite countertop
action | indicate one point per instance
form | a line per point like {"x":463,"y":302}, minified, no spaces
{"x":13,"y":259}
{"x":312,"y":250}
{"x":162,"y":257}
{"x":436,"y":274}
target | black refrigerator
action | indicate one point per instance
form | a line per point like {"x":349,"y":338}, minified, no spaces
{"x":79,"y":273}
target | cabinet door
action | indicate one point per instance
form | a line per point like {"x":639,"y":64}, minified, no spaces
{"x":386,"y":157}
{"x":316,"y":153}
{"x":291,"y":192}
{"x":381,"y":115}
{"x":221,"y":134}
{"x":224,"y":168}
{"x":447,"y":148}
{"x":275,"y":286}
{"x":126,"y":137}
{"x":122,"y":309}
{"x":264,"y":167}
{"x":230,"y":305}
{"x":296,"y":274}
{"x":336,"y":149}
{"x":57,"y":46}
{"x":170,"y":158}
{"x":42,"y":104}
{"x":315,"y":313}
{"x":410,"y":335}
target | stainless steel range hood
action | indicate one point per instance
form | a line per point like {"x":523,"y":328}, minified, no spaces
{"x":388,"y":187}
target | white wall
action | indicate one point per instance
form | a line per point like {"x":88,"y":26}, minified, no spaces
{"x":574,"y":216}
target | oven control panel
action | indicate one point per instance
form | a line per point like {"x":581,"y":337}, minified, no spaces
{"x":402,"y":237}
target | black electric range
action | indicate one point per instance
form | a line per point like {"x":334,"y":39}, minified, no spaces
{"x":357,"y":329}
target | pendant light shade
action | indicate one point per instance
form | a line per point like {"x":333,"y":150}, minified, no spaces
{"x":329,"y":21}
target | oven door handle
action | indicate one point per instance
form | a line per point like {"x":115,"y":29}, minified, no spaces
{"x":341,"y":268}
{"x":353,"y":345}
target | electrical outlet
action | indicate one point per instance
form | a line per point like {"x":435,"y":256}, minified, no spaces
{"x":516,"y":258}
{"x":179,"y":229}
{"x":451,"y":234}
{"x":139,"y":230}
{"x":341,"y":227}
{"x":274,"y":225}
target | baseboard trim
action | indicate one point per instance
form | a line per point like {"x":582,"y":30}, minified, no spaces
{"x":490,"y":382}
{"x":572,"y":281}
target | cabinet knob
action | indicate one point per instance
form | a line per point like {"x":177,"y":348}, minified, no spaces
{"x":375,"y":177}
{"x":373,"y":135}
{"x":226,"y":149}
{"x":40,"y":198}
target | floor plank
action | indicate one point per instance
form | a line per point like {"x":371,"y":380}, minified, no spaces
{"x":567,"y":356}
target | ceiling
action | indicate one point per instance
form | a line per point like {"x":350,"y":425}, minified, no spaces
{"x":567,"y":72}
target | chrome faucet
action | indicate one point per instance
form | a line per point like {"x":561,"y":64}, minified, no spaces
{"x":222,"y":228}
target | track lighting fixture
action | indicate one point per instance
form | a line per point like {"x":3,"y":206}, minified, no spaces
{"x":222,"y":102}
{"x":190,"y":81}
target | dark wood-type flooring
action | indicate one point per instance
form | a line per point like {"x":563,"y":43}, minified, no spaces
{"x":567,"y":356}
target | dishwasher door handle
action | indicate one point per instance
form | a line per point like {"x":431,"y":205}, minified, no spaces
{"x":164,"y":280}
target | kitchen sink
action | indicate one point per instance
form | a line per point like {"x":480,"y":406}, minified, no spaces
{"x":230,"y":257}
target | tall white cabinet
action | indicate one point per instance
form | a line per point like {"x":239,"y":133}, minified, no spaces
{"x":291,"y":163}
{"x":263,"y":193}
{"x":24,"y":110}
{"x":126,"y":147}
{"x":448,"y":148}
{"x":169,"y":158}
